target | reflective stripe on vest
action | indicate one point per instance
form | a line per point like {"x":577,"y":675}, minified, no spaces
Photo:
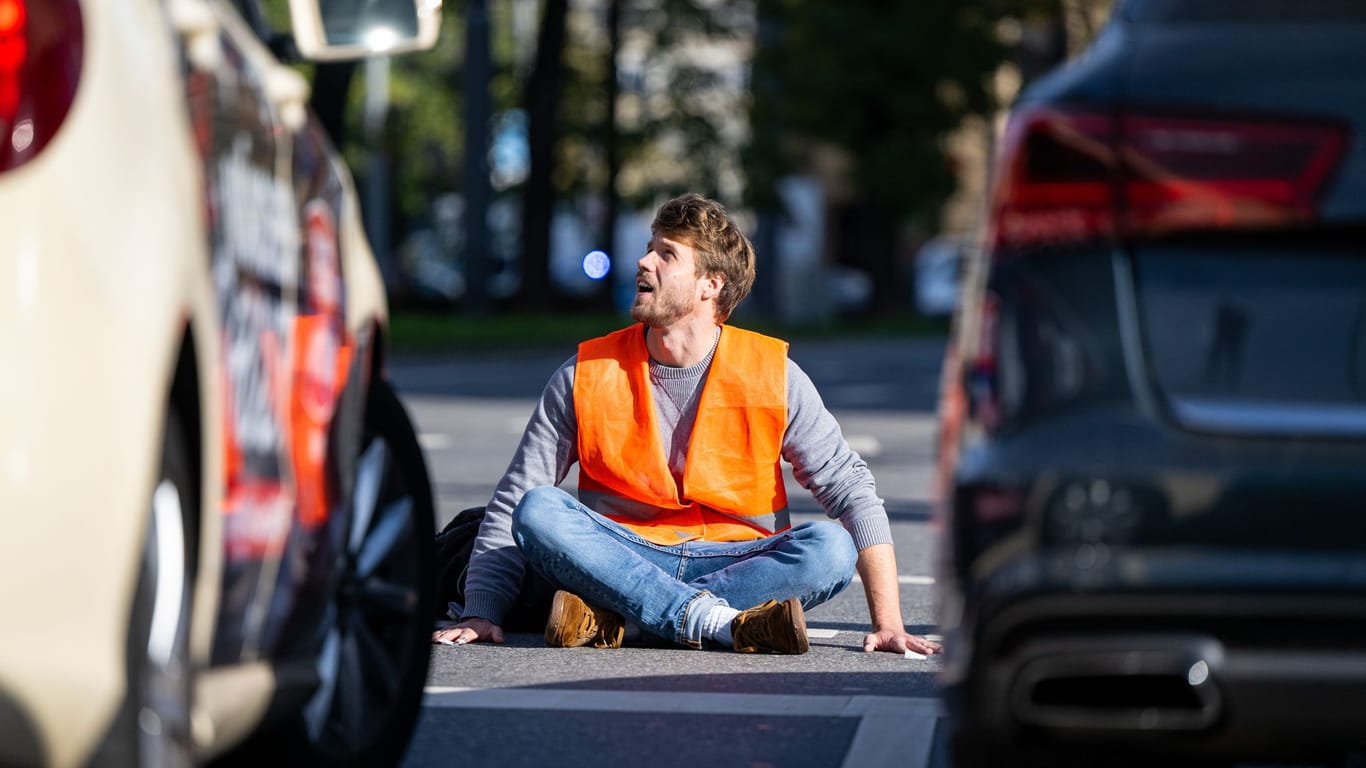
{"x":732,"y":482}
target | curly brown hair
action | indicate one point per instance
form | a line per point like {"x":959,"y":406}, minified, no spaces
{"x":722,"y":249}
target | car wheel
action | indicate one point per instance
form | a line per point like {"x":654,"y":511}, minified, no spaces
{"x":373,"y":663}
{"x":159,"y":671}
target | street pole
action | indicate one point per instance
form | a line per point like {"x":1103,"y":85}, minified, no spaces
{"x":768,"y":92}
{"x":476,"y":177}
{"x":608,"y":238}
{"x":376,"y":209}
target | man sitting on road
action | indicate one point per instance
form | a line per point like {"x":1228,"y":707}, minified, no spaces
{"x":678,"y":424}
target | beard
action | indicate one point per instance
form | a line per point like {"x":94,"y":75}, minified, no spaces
{"x":663,"y":307}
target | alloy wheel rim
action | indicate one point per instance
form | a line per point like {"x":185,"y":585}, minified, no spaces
{"x":360,"y":665}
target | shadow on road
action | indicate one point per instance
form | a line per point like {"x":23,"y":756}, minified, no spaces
{"x":831,"y":683}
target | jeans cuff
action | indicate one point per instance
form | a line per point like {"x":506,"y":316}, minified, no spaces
{"x":683,"y":638}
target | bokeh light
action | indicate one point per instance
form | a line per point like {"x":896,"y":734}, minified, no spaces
{"x":597,"y":264}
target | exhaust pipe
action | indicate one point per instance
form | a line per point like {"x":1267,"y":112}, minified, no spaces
{"x":1144,"y":684}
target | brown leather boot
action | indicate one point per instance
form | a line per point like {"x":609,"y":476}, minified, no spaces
{"x":574,"y":623}
{"x":772,"y":627}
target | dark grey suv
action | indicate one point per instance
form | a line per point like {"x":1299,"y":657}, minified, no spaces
{"x":1153,"y":422}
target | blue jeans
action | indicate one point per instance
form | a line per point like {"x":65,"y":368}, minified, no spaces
{"x":667,"y":590}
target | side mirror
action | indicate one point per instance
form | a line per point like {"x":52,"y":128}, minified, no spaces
{"x":331,"y":30}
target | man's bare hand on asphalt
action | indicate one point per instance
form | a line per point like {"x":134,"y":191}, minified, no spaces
{"x":469,"y":631}
{"x":893,"y":641}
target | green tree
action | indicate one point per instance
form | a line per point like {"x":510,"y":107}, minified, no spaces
{"x":684,"y":115}
{"x":541,"y":97}
{"x":884,"y":82}
{"x":661,"y":134}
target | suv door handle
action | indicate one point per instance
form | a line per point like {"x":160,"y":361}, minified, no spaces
{"x":197,"y":23}
{"x":288,"y":91}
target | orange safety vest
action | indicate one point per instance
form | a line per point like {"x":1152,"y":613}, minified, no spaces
{"x":732,"y":481}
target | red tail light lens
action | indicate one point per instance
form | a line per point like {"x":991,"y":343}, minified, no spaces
{"x":13,"y":52}
{"x":1074,"y":177}
{"x":1193,"y":174}
{"x":41,"y":49}
{"x":1055,"y":180}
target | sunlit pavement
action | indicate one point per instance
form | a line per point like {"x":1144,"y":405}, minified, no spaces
{"x":523,"y":704}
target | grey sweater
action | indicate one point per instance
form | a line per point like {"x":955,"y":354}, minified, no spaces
{"x":822,"y":462}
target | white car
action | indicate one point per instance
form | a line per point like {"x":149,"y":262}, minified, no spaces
{"x":938,"y":272}
{"x":215,"y":520}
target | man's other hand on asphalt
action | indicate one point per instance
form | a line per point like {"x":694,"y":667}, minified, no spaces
{"x":893,"y":641}
{"x":469,"y":631}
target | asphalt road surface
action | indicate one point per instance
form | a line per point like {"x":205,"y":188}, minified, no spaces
{"x":523,"y":704}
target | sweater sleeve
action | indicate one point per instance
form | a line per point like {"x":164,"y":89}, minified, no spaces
{"x":824,"y":464}
{"x":548,"y":448}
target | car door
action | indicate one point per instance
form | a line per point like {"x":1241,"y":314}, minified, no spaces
{"x":276,"y":273}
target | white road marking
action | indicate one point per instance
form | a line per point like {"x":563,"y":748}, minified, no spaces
{"x":448,"y":689}
{"x":894,"y":737}
{"x":434,"y":441}
{"x":821,"y":634}
{"x":867,"y":446}
{"x":892,"y":730}
{"x":919,"y":581}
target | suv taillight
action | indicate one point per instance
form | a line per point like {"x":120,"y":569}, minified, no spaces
{"x":41,"y":48}
{"x":1072,"y":177}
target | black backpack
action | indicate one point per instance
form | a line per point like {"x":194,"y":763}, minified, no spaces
{"x":454,"y":544}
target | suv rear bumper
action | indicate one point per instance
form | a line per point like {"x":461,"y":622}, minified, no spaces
{"x":1220,"y":610}
{"x":1248,"y":675}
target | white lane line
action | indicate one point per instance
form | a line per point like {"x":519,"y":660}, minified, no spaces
{"x":866,"y":446}
{"x":884,"y":738}
{"x":434,"y":441}
{"x":920,"y":581}
{"x":449,"y":689}
{"x":679,"y":702}
{"x":825,"y":634}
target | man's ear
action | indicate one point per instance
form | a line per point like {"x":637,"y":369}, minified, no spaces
{"x":711,"y":285}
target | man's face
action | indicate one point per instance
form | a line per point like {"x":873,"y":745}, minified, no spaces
{"x":668,"y":287}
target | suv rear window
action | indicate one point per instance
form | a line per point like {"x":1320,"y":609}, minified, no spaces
{"x":1268,"y":11}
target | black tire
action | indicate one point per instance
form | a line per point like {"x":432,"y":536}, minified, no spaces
{"x":155,"y":723}
{"x":376,"y":646}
